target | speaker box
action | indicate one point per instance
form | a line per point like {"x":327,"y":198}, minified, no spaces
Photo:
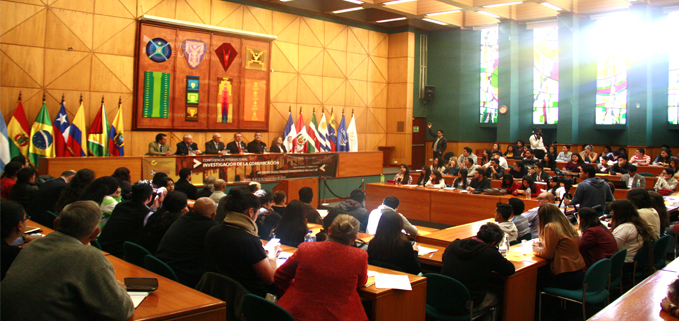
{"x":429,"y":92}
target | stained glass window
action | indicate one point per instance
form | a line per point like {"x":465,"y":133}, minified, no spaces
{"x":545,"y":75}
{"x":673,"y":89}
{"x":611,"y":79}
{"x":489,"y":81}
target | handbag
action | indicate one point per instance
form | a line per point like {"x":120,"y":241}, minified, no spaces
{"x":495,"y":191}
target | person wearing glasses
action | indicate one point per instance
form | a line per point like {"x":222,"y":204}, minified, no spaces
{"x":13,"y":227}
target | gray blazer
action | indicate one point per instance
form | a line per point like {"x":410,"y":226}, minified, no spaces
{"x":637,"y":178}
{"x":154,"y":149}
{"x":210,"y":147}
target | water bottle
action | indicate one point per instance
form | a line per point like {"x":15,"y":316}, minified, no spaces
{"x":638,"y":184}
{"x":382,"y":178}
{"x":310,"y":237}
{"x":528,"y":193}
{"x":504,"y":245}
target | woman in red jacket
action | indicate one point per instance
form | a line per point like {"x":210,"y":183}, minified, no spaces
{"x":596,"y":242}
{"x":528,"y":182}
{"x":319,"y":281}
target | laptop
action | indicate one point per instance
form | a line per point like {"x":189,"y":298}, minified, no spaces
{"x":620,"y":184}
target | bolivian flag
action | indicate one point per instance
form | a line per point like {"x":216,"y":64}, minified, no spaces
{"x":42,"y":137}
{"x":98,"y":138}
{"x":17,"y":132}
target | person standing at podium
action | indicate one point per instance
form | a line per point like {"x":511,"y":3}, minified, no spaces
{"x":236,"y":146}
{"x":187,"y":146}
{"x":215,"y":146}
{"x":160,"y":147}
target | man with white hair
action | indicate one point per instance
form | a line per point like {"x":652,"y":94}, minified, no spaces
{"x":74,"y":281}
{"x":187,"y":146}
{"x":215,"y":146}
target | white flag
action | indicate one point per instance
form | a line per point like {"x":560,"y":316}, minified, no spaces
{"x":324,"y":136}
{"x":353,"y":136}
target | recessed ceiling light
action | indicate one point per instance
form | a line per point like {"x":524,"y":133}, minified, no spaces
{"x":442,"y":12}
{"x":435,"y":21}
{"x":390,"y":20}
{"x":551,"y":6}
{"x":396,"y":2}
{"x":489,"y":14}
{"x":347,"y":10}
{"x":502,"y":4}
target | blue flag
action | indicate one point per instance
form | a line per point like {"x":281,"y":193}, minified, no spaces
{"x":290,"y":135}
{"x":342,"y":137}
{"x":4,"y":144}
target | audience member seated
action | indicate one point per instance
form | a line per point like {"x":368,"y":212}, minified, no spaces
{"x":556,"y":189}
{"x":174,"y":206}
{"x":13,"y":227}
{"x":630,"y":231}
{"x":518,"y":170}
{"x":390,"y":204}
{"x":184,"y":244}
{"x":320,"y":281}
{"x":479,"y":183}
{"x":501,"y":160}
{"x":437,"y":166}
{"x":254,"y":186}
{"x":103,"y":191}
{"x":306,"y":195}
{"x":236,"y":146}
{"x":640,"y":158}
{"x":604,"y":165}
{"x":658,"y":203}
{"x":122,"y":174}
{"x":257,"y":146}
{"x":208,"y":187}
{"x":436,"y":180}
{"x":532,"y":216}
{"x":25,"y":188}
{"x":424,"y":175}
{"x":219,"y":188}
{"x":519,"y":220}
{"x":574,"y":164}
{"x":127,"y":220}
{"x":548,"y":162}
{"x":322,"y":235}
{"x":674,"y":164}
{"x":221,"y":206}
{"x":166,"y":183}
{"x":520,"y":148}
{"x":503,"y":213}
{"x":160,"y":147}
{"x":267,"y":217}
{"x":462,"y":181}
{"x":539,"y":174}
{"x":622,"y":167}
{"x":558,"y":243}
{"x":234,"y":249}
{"x":588,"y":154}
{"x":496,"y":148}
{"x":9,"y":177}
{"x":277,"y":145}
{"x":509,"y":184}
{"x":48,"y":194}
{"x":184,"y":185}
{"x":663,"y":158}
{"x":642,"y":201}
{"x":279,"y":201}
{"x":292,"y":227}
{"x":392,"y":247}
{"x":214,"y":146}
{"x":61,"y":277}
{"x":552,"y":150}
{"x":354,"y":207}
{"x":470,"y":166}
{"x":453,"y":167}
{"x":494,"y":170}
{"x":403,"y":177}
{"x":187,"y":147}
{"x":632,"y":179}
{"x":526,"y":183}
{"x":467,"y":153}
{"x":471,"y":261}
{"x":157,"y":178}
{"x":529,"y":159}
{"x":486,"y":156}
{"x":596,"y":242}
{"x":511,"y":152}
{"x":666,"y":180}
{"x":74,"y":189}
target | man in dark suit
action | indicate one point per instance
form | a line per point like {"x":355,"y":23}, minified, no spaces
{"x":160,"y":147}
{"x":539,"y":174}
{"x":257,"y":146}
{"x":47,"y":197}
{"x":494,"y":170}
{"x":440,"y":144}
{"x":215,"y":146}
{"x":187,"y":146}
{"x":479,"y":183}
{"x":236,"y":146}
{"x":183,"y":184}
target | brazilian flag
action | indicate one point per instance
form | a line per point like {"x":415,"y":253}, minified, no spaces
{"x":42,"y":137}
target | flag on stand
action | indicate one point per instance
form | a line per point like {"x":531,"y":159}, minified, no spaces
{"x":324,"y":138}
{"x":17,"y":132}
{"x":116,"y":143}
{"x":4,"y":144}
{"x":332,"y":136}
{"x":314,"y":135}
{"x":60,"y":127}
{"x":98,"y":137}
{"x":290,"y":133}
{"x":42,"y":136}
{"x":302,"y":137}
{"x":75,"y":133}
{"x":352,"y":134}
{"x":342,"y":138}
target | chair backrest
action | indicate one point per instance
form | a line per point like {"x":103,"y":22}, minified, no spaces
{"x":526,"y":237}
{"x":596,"y":277}
{"x":447,"y":156}
{"x":255,"y":308}
{"x":385,"y":265}
{"x":134,"y":253}
{"x":447,"y":294}
{"x":659,"y":251}
{"x":646,"y":174}
{"x":157,"y":266}
{"x":617,"y":262}
{"x":226,"y":289}
{"x":641,"y":259}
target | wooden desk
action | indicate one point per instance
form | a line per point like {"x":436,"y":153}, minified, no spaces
{"x":102,"y":166}
{"x":414,"y":203}
{"x":446,"y":236}
{"x":172,"y":300}
{"x":642,"y":302}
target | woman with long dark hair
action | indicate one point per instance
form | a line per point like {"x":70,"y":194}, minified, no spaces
{"x":391,"y":246}
{"x":437,"y":165}
{"x":511,"y":152}
{"x":487,"y":154}
{"x":8,"y":178}
{"x":122,"y":174}
{"x":292,"y":227}
{"x":574,"y":164}
{"x":509,"y":184}
{"x":103,"y":191}
{"x":174,"y":206}
{"x":596,"y":242}
{"x":403,"y":177}
{"x":549,"y":161}
{"x":629,"y":230}
{"x":555,"y":188}
{"x":74,"y":189}
{"x":528,"y":182}
{"x":436,"y":180}
{"x":424,"y":175}
{"x":462,"y":181}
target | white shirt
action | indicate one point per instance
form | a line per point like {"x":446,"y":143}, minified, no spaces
{"x":627,"y":238}
{"x":650,"y":216}
{"x":503,"y":163}
{"x":536,"y":143}
{"x":374,"y":220}
{"x":441,"y":184}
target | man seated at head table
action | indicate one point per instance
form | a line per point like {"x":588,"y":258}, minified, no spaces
{"x":187,"y":146}
{"x":390,"y":203}
{"x":471,"y":261}
{"x":214,"y":146}
{"x":61,"y":277}
{"x":236,"y":146}
{"x":160,"y":147}
{"x":257,"y":146}
{"x":532,"y":214}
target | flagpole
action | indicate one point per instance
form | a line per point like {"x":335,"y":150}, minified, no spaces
{"x":19,"y":100}
{"x":81,"y":98}
{"x":62,"y":98}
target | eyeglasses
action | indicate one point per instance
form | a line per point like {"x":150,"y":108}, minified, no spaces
{"x":26,"y":218}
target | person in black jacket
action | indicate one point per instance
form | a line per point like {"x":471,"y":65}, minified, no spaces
{"x":236,"y":146}
{"x":471,"y":262}
{"x":25,"y":188}
{"x":183,"y":246}
{"x":257,"y":146}
{"x":174,"y":206}
{"x":518,"y":170}
{"x":479,"y":183}
{"x":184,"y":185}
{"x":392,"y":247}
{"x":48,"y":194}
{"x":214,"y":146}
{"x":354,"y":207}
{"x":187,"y":146}
{"x":622,"y":167}
{"x":127,"y":220}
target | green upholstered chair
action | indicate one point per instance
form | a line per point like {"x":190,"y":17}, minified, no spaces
{"x":646,"y":174}
{"x":134,"y":253}
{"x":659,"y":251}
{"x":226,"y":289}
{"x":157,"y":266}
{"x":51,"y":216}
{"x":526,"y":237}
{"x":448,"y":299}
{"x":254,"y":308}
{"x":617,"y":263}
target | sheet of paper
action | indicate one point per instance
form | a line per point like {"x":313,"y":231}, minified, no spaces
{"x":323,"y":213}
{"x":372,"y":273}
{"x":271,"y":245}
{"x":421,"y":250}
{"x":137,"y":297}
{"x":450,"y":188}
{"x":392,"y":281}
{"x":523,"y":248}
{"x":282,"y":258}
{"x":408,"y":185}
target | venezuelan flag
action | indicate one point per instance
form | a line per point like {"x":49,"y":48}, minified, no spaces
{"x":42,"y":137}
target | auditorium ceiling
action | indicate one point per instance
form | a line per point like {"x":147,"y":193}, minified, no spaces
{"x":443,"y":14}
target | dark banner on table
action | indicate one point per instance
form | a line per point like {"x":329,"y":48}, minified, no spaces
{"x":253,"y":167}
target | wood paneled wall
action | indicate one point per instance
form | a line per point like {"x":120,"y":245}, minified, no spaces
{"x":73,"y":46}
